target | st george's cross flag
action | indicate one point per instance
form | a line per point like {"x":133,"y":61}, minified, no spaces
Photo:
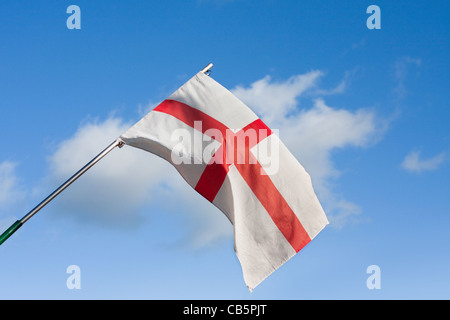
{"x":227,"y":154}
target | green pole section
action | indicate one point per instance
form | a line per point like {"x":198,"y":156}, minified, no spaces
{"x":15,"y":226}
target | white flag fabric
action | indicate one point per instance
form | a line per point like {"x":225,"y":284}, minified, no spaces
{"x":227,"y":154}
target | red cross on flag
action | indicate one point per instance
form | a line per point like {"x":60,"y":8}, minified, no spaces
{"x":228,"y":155}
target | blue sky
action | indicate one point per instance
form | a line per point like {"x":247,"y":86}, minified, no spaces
{"x":365,"y":111}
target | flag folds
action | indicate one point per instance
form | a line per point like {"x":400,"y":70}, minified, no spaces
{"x":227,"y":154}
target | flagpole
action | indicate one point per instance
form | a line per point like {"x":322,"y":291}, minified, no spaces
{"x":16,"y":225}
{"x":118,"y":143}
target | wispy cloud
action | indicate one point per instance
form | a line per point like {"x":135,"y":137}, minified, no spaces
{"x":340,"y":88}
{"x":10,"y":190}
{"x":414,"y":163}
{"x":401,"y":71}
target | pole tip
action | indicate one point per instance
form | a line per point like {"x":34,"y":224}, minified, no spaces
{"x":207,"y":70}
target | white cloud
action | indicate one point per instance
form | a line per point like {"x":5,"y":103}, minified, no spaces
{"x":414,"y":163}
{"x":113,"y":190}
{"x":9,"y":184}
{"x":313,"y":133}
{"x":276,"y":100}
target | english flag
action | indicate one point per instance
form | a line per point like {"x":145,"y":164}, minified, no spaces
{"x":227,"y":154}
